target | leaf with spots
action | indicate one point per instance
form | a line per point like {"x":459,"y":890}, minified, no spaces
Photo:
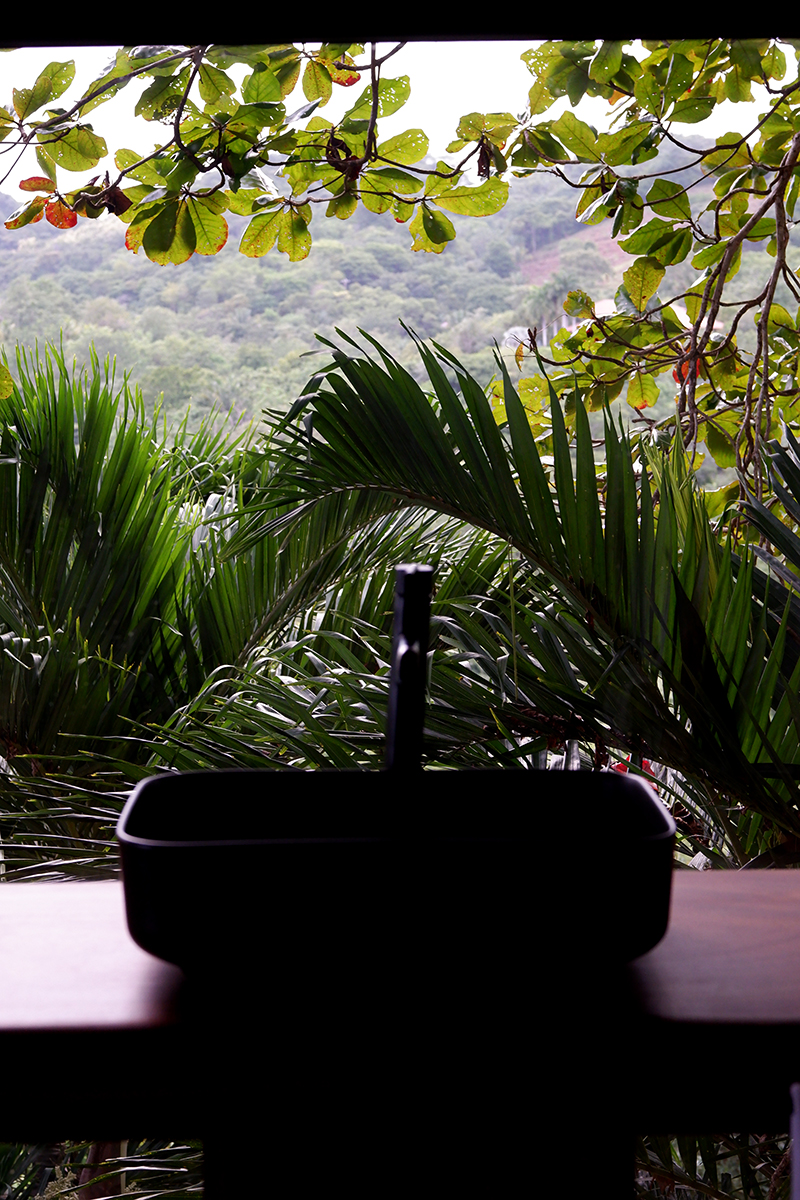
{"x":294,"y":238}
{"x":29,"y":214}
{"x":37,"y":183}
{"x":6,"y":382}
{"x":259,"y":237}
{"x":642,"y":280}
{"x":59,"y":215}
{"x":392,"y":94}
{"x":405,"y":148}
{"x":75,"y":149}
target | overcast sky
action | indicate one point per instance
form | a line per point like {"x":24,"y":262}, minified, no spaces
{"x":448,"y":79}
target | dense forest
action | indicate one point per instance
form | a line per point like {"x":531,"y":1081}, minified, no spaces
{"x":230,"y":333}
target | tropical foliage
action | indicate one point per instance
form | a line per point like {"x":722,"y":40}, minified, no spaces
{"x":179,"y":601}
{"x":731,"y":395}
{"x":222,"y":136}
{"x":592,"y":607}
{"x":582,"y":602}
{"x":232,"y":148}
{"x":229,"y":333}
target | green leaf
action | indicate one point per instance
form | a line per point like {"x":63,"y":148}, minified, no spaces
{"x":774,"y":62}
{"x":746,"y":55}
{"x":762,"y":229}
{"x":539,"y":98}
{"x":720,"y":447}
{"x":245,"y":202}
{"x":51,"y":82}
{"x":75,"y":150}
{"x":648,"y":93}
{"x":288,"y":73}
{"x":642,"y":280}
{"x":579,"y":304}
{"x":317,"y":84}
{"x":392,"y":94}
{"x":438,"y":228}
{"x":392,"y":179}
{"x":184,"y":172}
{"x":344,"y":205}
{"x":538,"y":61}
{"x":480,"y":201}
{"x":405,"y":148}
{"x":606,"y":62}
{"x":779,"y":320}
{"x":422,"y":241}
{"x":709,"y":255}
{"x":731,"y":155}
{"x":170,"y":237}
{"x":259,"y":237}
{"x":46,"y":163}
{"x":669,"y":201}
{"x":721,"y":498}
{"x":642,"y":390}
{"x":61,"y":75}
{"x":737,"y":86}
{"x":578,"y":137}
{"x":294,"y":238}
{"x":378,"y":188}
{"x":262,"y":86}
{"x":649,"y":237}
{"x":159,"y":101}
{"x":122,"y":67}
{"x":616,"y":148}
{"x":210,"y":228}
{"x":496,"y":127}
{"x":146,"y":173}
{"x":679,"y":76}
{"x":693,"y":109}
{"x":403,"y":210}
{"x":214,"y":84}
{"x":595,"y":204}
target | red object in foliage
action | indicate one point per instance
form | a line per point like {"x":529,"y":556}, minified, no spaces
{"x":60,"y":215}
{"x":685,"y":371}
{"x":646,"y":766}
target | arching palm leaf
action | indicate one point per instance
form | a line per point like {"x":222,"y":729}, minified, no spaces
{"x":656,"y":632}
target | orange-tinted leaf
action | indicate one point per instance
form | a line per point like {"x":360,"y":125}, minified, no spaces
{"x":37,"y":183}
{"x":59,"y":215}
{"x":29,"y":214}
{"x":345,"y":76}
{"x":134,"y":236}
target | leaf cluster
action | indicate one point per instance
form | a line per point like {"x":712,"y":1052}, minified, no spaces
{"x":728,"y":398}
{"x":229,"y":141}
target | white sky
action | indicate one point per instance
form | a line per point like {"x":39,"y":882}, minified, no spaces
{"x":448,"y":79}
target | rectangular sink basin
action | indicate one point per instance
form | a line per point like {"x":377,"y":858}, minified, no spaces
{"x":223,"y":866}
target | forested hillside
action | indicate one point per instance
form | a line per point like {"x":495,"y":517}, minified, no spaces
{"x":230,"y":331}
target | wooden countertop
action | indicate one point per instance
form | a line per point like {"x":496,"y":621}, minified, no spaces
{"x":706,"y":1026}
